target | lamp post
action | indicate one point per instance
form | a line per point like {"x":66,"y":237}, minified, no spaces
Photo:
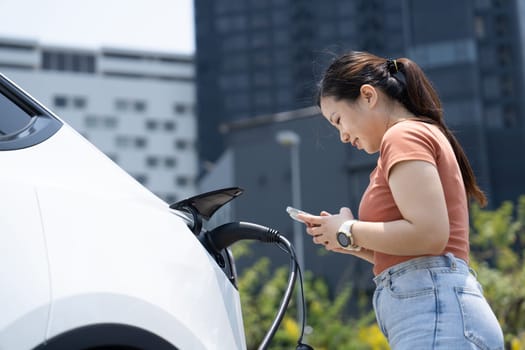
{"x":290,"y":139}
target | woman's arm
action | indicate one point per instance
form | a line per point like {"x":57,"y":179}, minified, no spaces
{"x":424,"y":229}
{"x":418,"y":193}
{"x":364,"y":254}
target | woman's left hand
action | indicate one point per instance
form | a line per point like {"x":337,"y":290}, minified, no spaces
{"x":324,"y":228}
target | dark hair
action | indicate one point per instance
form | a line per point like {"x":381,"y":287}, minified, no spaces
{"x":344,"y":77}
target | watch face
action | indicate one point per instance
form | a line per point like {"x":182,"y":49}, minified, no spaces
{"x":343,"y":239}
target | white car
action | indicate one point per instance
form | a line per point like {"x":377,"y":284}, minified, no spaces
{"x":91,"y":259}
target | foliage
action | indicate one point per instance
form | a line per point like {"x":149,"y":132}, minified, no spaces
{"x":262,"y":289}
{"x":497,"y":254}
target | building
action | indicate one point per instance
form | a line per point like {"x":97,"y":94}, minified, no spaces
{"x":138,"y":107}
{"x":262,"y":57}
{"x":258,"y":59}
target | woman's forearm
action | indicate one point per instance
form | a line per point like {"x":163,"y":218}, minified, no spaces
{"x":400,"y":237}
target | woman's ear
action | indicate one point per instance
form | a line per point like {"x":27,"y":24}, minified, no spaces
{"x":369,"y":94}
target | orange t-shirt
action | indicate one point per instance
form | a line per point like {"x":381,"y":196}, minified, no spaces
{"x":416,"y":140}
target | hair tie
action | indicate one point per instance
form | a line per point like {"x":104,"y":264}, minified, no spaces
{"x":392,"y":67}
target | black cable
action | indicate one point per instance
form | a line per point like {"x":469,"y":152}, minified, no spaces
{"x":300,"y":344}
{"x":223,"y":236}
{"x":287,"y":294}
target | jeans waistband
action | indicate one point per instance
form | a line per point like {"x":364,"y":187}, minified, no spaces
{"x":424,"y":262}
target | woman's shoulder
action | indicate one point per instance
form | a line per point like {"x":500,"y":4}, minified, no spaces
{"x":413,"y":127}
{"x":413,"y":136}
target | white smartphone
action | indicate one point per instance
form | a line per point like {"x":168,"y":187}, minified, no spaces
{"x":293,"y":213}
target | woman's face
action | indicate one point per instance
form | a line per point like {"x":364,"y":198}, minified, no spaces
{"x":357,"y":123}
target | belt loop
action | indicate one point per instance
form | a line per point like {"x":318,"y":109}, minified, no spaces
{"x":452,"y":259}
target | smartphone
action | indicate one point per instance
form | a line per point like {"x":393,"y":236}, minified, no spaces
{"x":293,"y":213}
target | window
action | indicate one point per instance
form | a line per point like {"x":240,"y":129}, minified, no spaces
{"x":235,"y":42}
{"x":262,"y":79}
{"x":68,"y":61}
{"x":504,"y":55}
{"x":260,"y":39}
{"x":328,"y":30}
{"x":170,"y":162}
{"x":280,"y":18}
{"x":122,"y":141}
{"x":346,"y":8}
{"x":60,"y":101}
{"x":91,"y":121}
{"x":140,"y":142}
{"x":483,"y":4}
{"x":181,"y":144}
{"x":237,"y":101}
{"x":180,"y":108}
{"x":129,"y":141}
{"x":121,"y":104}
{"x":151,"y":124}
{"x":182,"y":180}
{"x":169,"y":125}
{"x":152,"y":161}
{"x":234,"y":62}
{"x":110,"y":122}
{"x":79,"y":102}
{"x":231,"y":23}
{"x":491,"y":87}
{"x":259,"y":20}
{"x":509,"y":117}
{"x":479,"y":27}
{"x":124,"y":104}
{"x":507,"y":85}
{"x":139,"y":106}
{"x":262,"y":59}
{"x":263,"y":98}
{"x":493,"y":117}
{"x":234,"y":81}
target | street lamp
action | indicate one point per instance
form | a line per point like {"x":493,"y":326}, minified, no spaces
{"x":290,"y":139}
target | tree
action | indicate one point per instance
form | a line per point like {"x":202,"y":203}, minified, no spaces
{"x":497,"y":254}
{"x":262,"y":288}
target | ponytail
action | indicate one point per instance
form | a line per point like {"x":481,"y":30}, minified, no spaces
{"x":423,"y":100}
{"x":404,"y":81}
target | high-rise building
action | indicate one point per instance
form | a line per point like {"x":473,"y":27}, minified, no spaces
{"x":135,"y":106}
{"x":264,"y":57}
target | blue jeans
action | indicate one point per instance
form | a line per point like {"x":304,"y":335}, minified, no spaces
{"x":434,"y":303}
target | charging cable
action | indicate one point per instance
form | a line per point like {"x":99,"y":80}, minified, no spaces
{"x":225,"y":235}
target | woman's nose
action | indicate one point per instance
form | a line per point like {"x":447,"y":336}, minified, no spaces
{"x":344,"y":137}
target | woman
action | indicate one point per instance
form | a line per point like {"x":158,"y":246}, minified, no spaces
{"x":413,"y":218}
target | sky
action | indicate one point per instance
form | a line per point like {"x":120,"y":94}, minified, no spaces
{"x":159,"y":25}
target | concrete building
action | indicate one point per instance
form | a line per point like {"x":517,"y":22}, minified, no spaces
{"x":138,"y":107}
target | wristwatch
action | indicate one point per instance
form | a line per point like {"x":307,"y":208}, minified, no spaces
{"x":345,"y":237}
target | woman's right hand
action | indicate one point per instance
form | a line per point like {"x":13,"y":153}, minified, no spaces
{"x":323,"y":228}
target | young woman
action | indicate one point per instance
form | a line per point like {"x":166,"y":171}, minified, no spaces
{"x":413,"y":221}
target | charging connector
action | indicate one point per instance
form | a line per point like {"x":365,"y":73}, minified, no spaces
{"x":225,"y":235}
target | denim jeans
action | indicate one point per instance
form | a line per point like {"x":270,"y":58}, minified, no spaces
{"x":434,"y":303}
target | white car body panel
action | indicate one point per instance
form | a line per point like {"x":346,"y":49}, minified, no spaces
{"x":24,"y":288}
{"x":83,"y":243}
